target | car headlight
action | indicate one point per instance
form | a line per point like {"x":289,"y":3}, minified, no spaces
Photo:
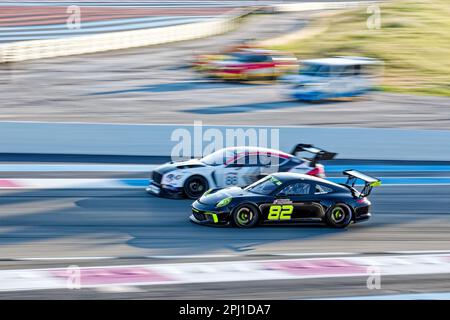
{"x":224,"y":202}
{"x":171,"y":176}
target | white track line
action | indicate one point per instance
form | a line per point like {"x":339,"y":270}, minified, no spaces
{"x":407,"y":296}
{"x":31,"y":167}
{"x":215,"y":256}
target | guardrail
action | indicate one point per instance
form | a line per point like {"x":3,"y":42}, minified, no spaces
{"x":38,"y":49}
{"x":311,"y":6}
{"x":155,"y":140}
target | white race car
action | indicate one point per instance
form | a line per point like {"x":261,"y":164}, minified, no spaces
{"x":237,"y":166}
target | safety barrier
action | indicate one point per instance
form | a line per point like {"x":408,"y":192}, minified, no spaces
{"x":312,"y":6}
{"x":38,"y":49}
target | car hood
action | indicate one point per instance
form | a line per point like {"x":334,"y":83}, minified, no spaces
{"x":179,"y":165}
{"x":215,"y":196}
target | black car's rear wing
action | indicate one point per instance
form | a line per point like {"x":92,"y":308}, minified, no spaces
{"x":319,"y":154}
{"x":369,"y":182}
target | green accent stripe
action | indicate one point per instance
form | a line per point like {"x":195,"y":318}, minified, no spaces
{"x":214,"y":215}
{"x":376,"y":184}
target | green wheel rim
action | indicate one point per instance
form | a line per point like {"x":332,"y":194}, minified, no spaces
{"x":338,"y":214}
{"x":244,"y":216}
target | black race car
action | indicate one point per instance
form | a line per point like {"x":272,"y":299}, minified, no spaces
{"x":287,"y":198}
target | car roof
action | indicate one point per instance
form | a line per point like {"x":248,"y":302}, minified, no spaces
{"x":255,"y":51}
{"x":291,"y":177}
{"x":256,"y":150}
{"x":342,"y":61}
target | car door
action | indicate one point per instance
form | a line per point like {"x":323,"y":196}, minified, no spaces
{"x":294,"y":203}
{"x":228,"y":175}
{"x":240,"y":171}
{"x":251,"y":169}
{"x":260,"y":66}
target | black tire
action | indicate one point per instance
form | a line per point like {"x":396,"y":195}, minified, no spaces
{"x":245,"y":216}
{"x":195,"y":186}
{"x":339,"y":216}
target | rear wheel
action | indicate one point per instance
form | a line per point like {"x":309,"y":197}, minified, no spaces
{"x":339,"y":216}
{"x":245,"y":216}
{"x":195,"y":186}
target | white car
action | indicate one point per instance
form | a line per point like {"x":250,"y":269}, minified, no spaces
{"x":237,"y":166}
{"x":338,"y":77}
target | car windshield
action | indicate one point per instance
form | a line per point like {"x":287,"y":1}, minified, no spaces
{"x":264,"y":186}
{"x":248,"y":57}
{"x":217,"y":158}
{"x":317,"y":70}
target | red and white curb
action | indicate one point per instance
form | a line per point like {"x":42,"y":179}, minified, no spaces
{"x":63,"y":183}
{"x":210,"y":272}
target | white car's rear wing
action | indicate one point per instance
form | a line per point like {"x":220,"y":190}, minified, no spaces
{"x":319,"y":154}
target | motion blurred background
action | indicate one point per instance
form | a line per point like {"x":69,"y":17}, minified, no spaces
{"x":92,"y":90}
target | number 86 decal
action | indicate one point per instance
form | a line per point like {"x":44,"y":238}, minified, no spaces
{"x":231,"y":179}
{"x":280,"y":212}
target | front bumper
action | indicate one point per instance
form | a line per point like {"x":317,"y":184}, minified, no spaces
{"x":166,"y":191}
{"x":363,"y":217}
{"x":362,"y":213}
{"x":308,"y":95}
{"x":208,"y":215}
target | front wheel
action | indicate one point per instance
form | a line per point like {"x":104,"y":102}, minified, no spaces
{"x":195,"y":186}
{"x":245,"y":216}
{"x":339,"y":216}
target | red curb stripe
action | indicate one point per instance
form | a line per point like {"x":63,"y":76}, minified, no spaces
{"x":112,"y":275}
{"x":4,"y":183}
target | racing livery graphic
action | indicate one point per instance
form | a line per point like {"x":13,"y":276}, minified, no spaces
{"x":287,"y":198}
{"x":236,"y":166}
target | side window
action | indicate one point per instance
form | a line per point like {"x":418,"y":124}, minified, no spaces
{"x":325,"y":71}
{"x":296,"y":189}
{"x":260,"y":58}
{"x":348,"y":71}
{"x":271,"y":160}
{"x":247,"y":160}
{"x":252,"y":160}
{"x":321,"y":189}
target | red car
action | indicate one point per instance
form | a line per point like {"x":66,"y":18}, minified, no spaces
{"x":252,"y":64}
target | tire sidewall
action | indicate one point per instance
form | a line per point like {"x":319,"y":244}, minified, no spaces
{"x":348,"y":219}
{"x":185,"y":186}
{"x":251,"y":207}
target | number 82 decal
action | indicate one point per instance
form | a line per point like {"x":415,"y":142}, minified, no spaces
{"x":280,"y":212}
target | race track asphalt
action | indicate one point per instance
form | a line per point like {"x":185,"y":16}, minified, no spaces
{"x":129,"y":224}
{"x":52,"y":223}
